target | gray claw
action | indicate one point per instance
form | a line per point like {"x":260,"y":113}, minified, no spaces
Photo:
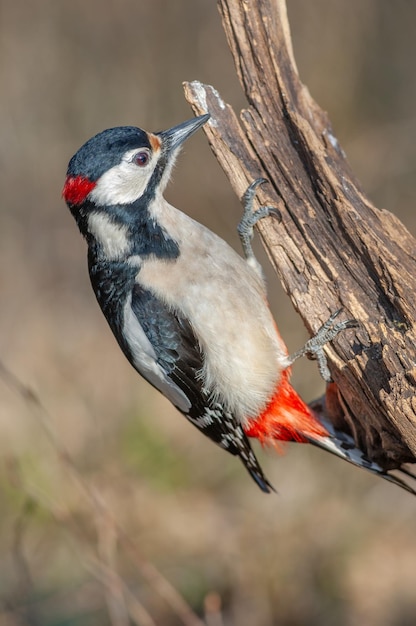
{"x":313,"y":348}
{"x":250,"y":217}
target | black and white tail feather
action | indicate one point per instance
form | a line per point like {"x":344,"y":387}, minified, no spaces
{"x":342,"y":445}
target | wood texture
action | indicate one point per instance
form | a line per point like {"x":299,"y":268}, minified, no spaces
{"x":333,"y":248}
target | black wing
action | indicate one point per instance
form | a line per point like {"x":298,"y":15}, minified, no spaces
{"x":180,"y":356}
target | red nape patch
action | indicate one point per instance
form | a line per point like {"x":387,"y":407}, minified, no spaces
{"x":76,"y":189}
{"x":285,"y":418}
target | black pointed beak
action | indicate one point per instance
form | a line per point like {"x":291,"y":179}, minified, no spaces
{"x":175,"y":137}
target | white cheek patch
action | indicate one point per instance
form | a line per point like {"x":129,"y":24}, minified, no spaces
{"x":124,"y":183}
{"x":111,"y":236}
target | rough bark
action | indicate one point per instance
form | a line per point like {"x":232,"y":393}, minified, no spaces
{"x":333,"y":248}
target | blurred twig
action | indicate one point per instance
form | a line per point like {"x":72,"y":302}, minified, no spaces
{"x":107,"y":547}
{"x":212,"y":606}
{"x":20,"y":559}
{"x":17,"y":605}
{"x":120,"y":599}
{"x":98,"y":508}
{"x":120,"y":596}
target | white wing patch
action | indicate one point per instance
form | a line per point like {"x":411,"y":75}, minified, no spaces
{"x":144,"y":360}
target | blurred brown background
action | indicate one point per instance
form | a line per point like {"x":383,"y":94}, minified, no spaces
{"x":336,"y":545}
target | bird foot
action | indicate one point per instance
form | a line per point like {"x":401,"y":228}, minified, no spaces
{"x":313,"y":348}
{"x":251,"y":217}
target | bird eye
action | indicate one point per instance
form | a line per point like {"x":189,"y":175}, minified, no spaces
{"x":141,"y":158}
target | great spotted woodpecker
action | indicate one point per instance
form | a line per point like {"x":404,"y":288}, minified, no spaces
{"x":188,"y":312}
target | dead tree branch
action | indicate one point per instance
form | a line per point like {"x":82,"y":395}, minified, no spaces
{"x":333,"y":248}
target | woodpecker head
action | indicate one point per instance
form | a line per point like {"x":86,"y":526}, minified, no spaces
{"x":116,"y":169}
